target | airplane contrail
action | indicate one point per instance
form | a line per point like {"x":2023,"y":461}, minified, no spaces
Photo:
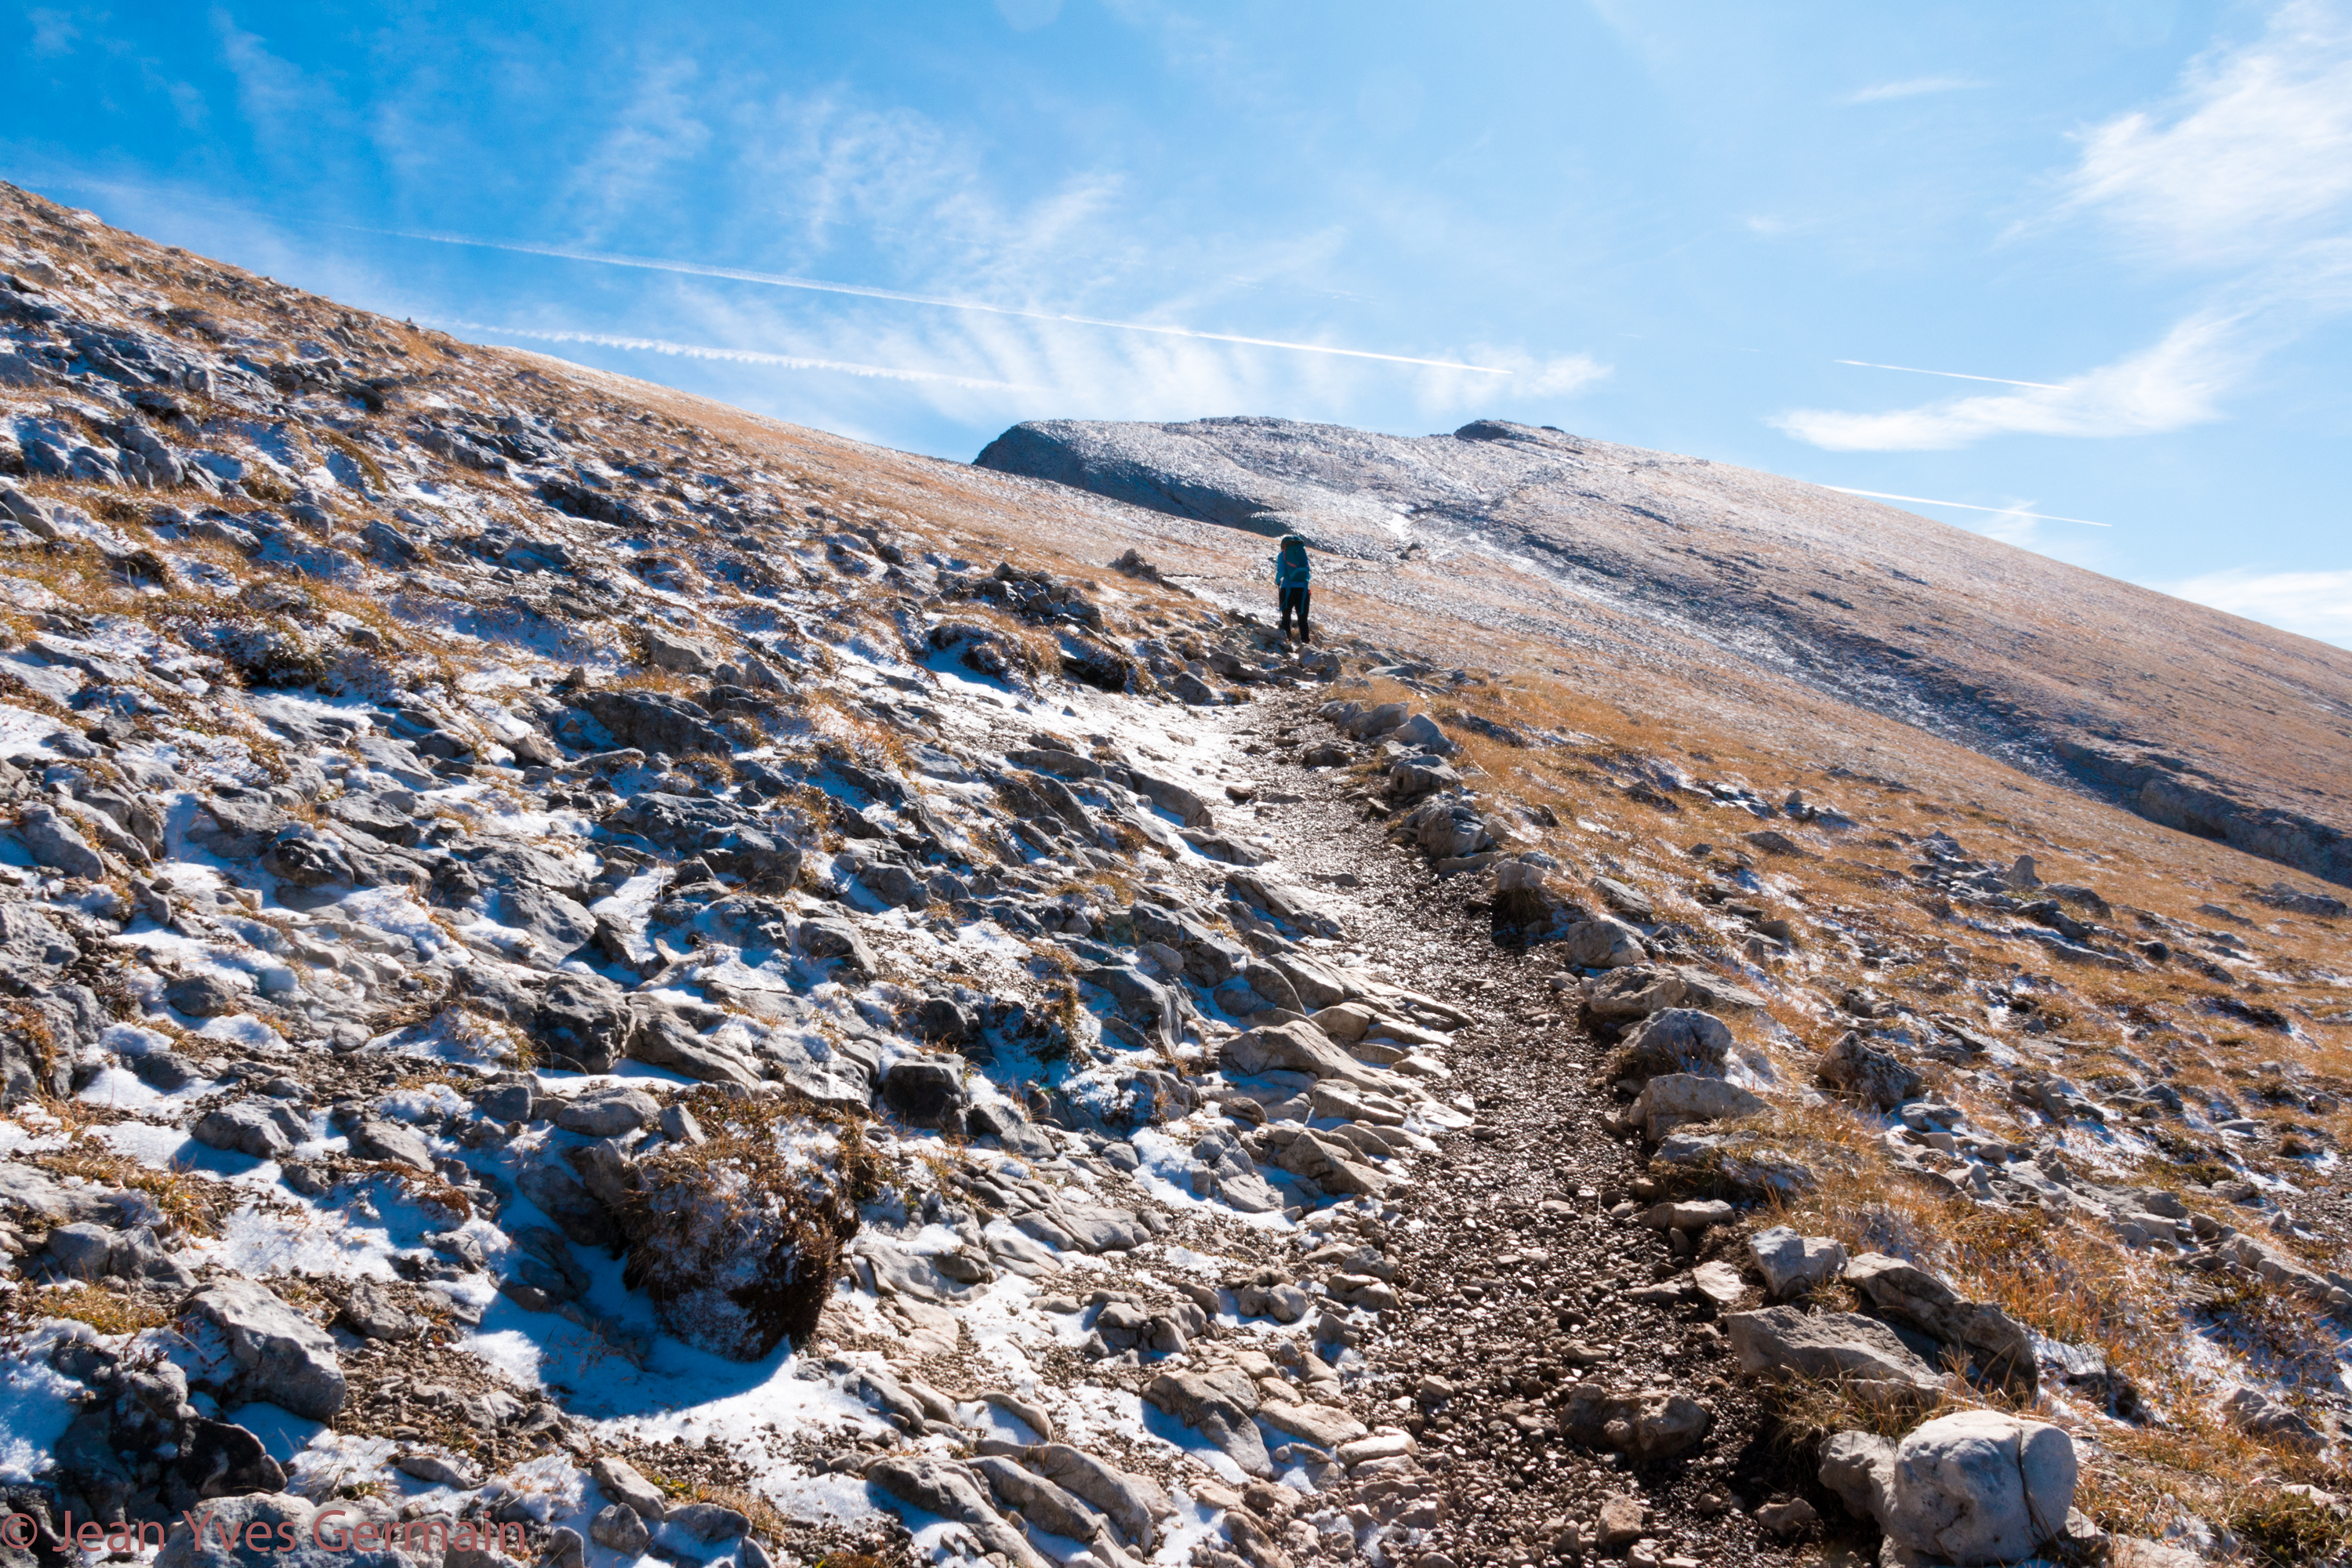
{"x":746,"y":356}
{"x":1964,"y":506}
{"x":1952,"y":374}
{"x":866,"y":291}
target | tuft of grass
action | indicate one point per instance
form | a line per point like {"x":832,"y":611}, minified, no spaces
{"x":2290,"y":1527}
{"x":1805,"y":1412}
{"x":107,"y":1311}
{"x":191,"y":1204}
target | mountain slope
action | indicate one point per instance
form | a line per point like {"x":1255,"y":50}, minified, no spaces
{"x":586,"y":976}
{"x":2198,"y":720}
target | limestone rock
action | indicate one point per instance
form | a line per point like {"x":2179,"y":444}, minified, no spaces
{"x":1670,"y":1100}
{"x":281,"y":1356}
{"x":1675,"y":1040}
{"x":1997,"y":1344}
{"x":1859,"y":1467}
{"x":1134,"y":1502}
{"x":1295,"y":1047}
{"x":261,"y":1523}
{"x":617,"y":1525}
{"x":608,"y":1112}
{"x":1794,"y":1264}
{"x":1633,"y":993}
{"x":1847,"y":1346}
{"x":938,"y":1486}
{"x":1872,"y":1075}
{"x":623,"y":1483}
{"x":1219,"y":1403}
{"x":1601,"y":943}
{"x":2259,"y":1415}
{"x":1980,"y":1487}
{"x":263,"y":1128}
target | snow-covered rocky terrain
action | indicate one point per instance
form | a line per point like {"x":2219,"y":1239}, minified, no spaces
{"x":581,"y":991}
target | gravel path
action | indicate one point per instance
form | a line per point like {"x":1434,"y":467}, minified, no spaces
{"x":1515,"y":1265}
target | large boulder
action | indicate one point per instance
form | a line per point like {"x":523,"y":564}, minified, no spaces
{"x":1671,"y":1100}
{"x":1841,"y":1347}
{"x":1980,"y":1487}
{"x":1601,"y":943}
{"x":1675,"y":1040}
{"x":280,"y":1356}
{"x":735,"y":1240}
{"x":1870,"y":1073}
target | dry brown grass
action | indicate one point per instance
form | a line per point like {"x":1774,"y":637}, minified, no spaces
{"x":191,"y":1203}
{"x":107,"y":1311}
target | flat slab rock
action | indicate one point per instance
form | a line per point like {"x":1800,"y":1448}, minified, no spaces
{"x":280,"y":1356}
{"x":1845,"y":1346}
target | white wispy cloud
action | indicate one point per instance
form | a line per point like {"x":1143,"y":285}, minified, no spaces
{"x":1912,"y":86}
{"x":2173,"y":384}
{"x":866,"y":291}
{"x":2317,"y":605}
{"x":2247,"y":167}
{"x":853,"y":263}
{"x":2252,"y":153}
{"x":53,"y":32}
{"x":1554,"y":377}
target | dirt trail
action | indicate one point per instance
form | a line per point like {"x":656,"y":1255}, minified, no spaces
{"x":1511,"y":1254}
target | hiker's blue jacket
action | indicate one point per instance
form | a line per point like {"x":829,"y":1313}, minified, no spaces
{"x":1290,"y":569}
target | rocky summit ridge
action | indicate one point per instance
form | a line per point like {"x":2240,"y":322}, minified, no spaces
{"x":587,"y":979}
{"x":2195,"y":718}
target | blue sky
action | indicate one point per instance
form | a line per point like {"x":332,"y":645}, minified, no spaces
{"x":1673,"y":225}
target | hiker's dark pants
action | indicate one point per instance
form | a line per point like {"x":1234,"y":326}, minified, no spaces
{"x":1294,"y":600}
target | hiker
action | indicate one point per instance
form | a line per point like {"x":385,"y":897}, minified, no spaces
{"x":1290,"y":574}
